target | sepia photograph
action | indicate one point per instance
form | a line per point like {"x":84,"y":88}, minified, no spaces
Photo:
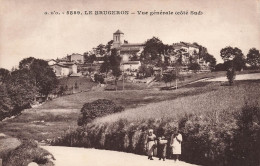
{"x":130,"y":83}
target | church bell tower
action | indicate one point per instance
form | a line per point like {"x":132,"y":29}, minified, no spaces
{"x":118,"y":39}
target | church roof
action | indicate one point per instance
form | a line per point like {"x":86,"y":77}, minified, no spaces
{"x":118,"y":32}
{"x":133,"y":45}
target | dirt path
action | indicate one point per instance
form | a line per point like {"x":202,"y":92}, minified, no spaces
{"x":254,"y":76}
{"x":70,"y":156}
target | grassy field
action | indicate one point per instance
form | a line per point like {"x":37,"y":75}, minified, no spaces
{"x":215,"y":98}
{"x":69,"y":83}
{"x":55,"y":118}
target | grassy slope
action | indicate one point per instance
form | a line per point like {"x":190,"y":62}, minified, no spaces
{"x":60,"y":115}
{"x":84,"y":83}
{"x":56,"y":117}
{"x":224,"y":98}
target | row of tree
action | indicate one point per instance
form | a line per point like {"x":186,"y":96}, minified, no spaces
{"x":233,"y":57}
{"x":21,"y":87}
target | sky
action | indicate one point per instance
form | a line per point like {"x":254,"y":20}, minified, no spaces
{"x":25,"y":31}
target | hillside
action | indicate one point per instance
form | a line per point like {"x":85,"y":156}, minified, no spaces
{"x":215,"y":99}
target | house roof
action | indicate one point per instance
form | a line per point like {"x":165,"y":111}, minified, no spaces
{"x":184,"y":44}
{"x":48,"y":60}
{"x":60,"y":65}
{"x":132,"y":45}
{"x":67,"y":63}
{"x":118,"y":32}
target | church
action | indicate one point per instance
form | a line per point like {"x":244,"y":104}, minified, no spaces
{"x":126,"y":50}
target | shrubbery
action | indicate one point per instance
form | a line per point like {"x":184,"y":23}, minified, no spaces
{"x":28,"y":152}
{"x":96,"y":109}
{"x":210,"y":138}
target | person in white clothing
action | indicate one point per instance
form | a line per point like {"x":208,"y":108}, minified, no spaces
{"x":176,"y":140}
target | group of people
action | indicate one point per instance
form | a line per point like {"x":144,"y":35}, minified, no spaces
{"x":161,"y":144}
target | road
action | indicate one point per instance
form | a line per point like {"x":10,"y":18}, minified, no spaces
{"x":254,"y":76}
{"x":71,"y":156}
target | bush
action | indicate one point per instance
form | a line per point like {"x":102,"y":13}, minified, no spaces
{"x":96,"y":109}
{"x":28,"y":152}
{"x":246,"y":144}
{"x":99,"y":78}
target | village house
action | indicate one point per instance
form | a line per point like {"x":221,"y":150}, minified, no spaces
{"x":63,"y":69}
{"x":51,"y":61}
{"x":77,"y":58}
{"x":60,"y":70}
{"x":189,"y":52}
{"x":130,"y":66}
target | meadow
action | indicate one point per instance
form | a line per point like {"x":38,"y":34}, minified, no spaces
{"x":210,"y":122}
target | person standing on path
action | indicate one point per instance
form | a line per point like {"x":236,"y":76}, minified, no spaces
{"x":150,"y":144}
{"x":176,"y":140}
{"x":162,"y":144}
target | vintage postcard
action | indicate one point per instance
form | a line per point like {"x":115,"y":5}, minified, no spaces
{"x":129,"y":82}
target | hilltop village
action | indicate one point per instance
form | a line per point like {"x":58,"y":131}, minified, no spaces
{"x":134,"y":57}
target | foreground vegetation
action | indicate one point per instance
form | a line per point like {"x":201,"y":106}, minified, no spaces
{"x":219,"y":127}
{"x":28,"y":152}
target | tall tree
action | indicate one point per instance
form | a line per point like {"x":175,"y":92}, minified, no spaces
{"x":43,"y":76}
{"x":153,"y":50}
{"x":109,"y":46}
{"x":4,"y":74}
{"x":231,"y":74}
{"x":253,"y":58}
{"x":211,"y":60}
{"x":106,"y":66}
{"x":115,"y":61}
{"x":235,"y":55}
{"x":6,"y":105}
{"x":21,"y":89}
{"x":101,"y":49}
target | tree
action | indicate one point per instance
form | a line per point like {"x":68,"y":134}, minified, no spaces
{"x":115,"y":61}
{"x":194,"y":66}
{"x":168,"y":78}
{"x":142,"y":69}
{"x":152,"y":50}
{"x":99,"y":78}
{"x":235,"y":55}
{"x":21,"y":89}
{"x":253,"y":58}
{"x":220,"y":67}
{"x":211,"y":60}
{"x":90,"y":58}
{"x":231,"y":75}
{"x":4,"y":74}
{"x":106,"y":66}
{"x":101,"y":49}
{"x":44,"y":78}
{"x":6,"y":105}
{"x":109,"y":46}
